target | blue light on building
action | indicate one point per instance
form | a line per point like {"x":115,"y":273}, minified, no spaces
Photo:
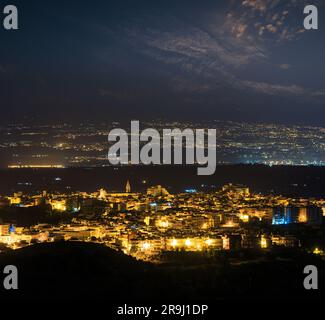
{"x":285,"y":215}
{"x":279,"y":221}
{"x":12,"y":229}
{"x":190,"y":190}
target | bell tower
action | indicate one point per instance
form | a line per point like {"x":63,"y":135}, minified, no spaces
{"x":128,"y":187}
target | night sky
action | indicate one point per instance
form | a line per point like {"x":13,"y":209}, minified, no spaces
{"x":248,"y":60}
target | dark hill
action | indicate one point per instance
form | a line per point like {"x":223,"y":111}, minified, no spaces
{"x":74,"y":270}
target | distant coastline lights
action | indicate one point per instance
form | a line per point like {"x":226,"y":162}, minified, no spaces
{"x":32,"y":166}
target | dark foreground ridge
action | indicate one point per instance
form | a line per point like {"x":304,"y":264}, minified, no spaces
{"x":75,"y":270}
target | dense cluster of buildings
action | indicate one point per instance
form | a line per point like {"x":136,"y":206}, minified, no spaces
{"x":146,"y":224}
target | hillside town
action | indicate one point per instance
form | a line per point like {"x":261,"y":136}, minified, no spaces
{"x":145,"y":225}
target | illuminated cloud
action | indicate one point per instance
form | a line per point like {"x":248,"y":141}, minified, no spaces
{"x":260,"y":5}
{"x":271,"y":28}
{"x":266,"y":19}
{"x":210,"y":53}
{"x":285,"y":66}
{"x":276,"y":89}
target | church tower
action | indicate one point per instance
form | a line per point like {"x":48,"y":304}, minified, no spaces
{"x":128,"y":187}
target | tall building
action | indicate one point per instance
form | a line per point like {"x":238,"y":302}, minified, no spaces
{"x":4,"y":229}
{"x":314,"y":215}
{"x":157,"y":191}
{"x":236,"y":190}
{"x":285,"y":215}
{"x":302,"y":215}
{"x":102,"y":194}
{"x":128,"y":187}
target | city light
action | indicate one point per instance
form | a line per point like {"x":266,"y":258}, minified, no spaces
{"x":33,"y":166}
{"x":204,"y":226}
{"x":263,"y":242}
{"x":209,"y":242}
{"x":146,"y":246}
{"x":126,"y":222}
{"x":163,"y":224}
{"x":190,"y":190}
{"x":317,"y":251}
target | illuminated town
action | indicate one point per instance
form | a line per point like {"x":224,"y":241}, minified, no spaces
{"x":145,"y":225}
{"x":162,"y":153}
{"x":86,"y":144}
